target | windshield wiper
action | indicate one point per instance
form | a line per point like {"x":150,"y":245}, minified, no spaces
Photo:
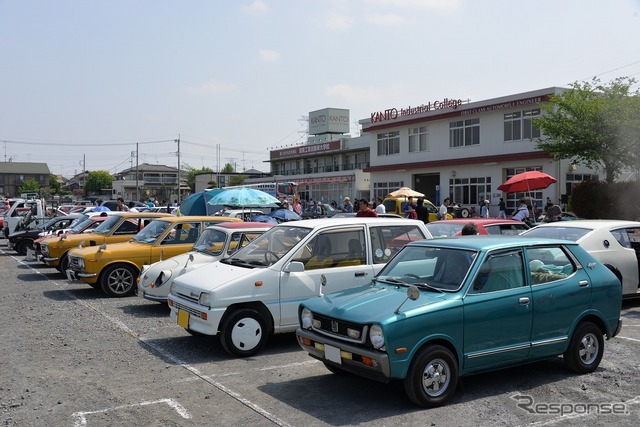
{"x":427,"y":286}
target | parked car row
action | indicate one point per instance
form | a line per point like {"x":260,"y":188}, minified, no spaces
{"x":390,"y":299}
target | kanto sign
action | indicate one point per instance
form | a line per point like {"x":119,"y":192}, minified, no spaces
{"x":329,"y":120}
{"x":394,"y":113}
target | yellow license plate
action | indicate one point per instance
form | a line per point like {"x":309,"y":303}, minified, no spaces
{"x":183,"y":319}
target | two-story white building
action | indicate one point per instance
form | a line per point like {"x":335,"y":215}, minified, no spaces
{"x":464,"y":150}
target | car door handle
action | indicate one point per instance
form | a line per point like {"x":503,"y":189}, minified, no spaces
{"x":360,"y":274}
{"x":583,"y":283}
{"x":524,"y":300}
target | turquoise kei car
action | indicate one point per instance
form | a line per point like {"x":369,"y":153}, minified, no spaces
{"x":446,"y":308}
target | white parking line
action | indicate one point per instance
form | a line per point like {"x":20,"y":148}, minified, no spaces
{"x":164,"y":354}
{"x":266,"y":368}
{"x":82,"y":416}
{"x":627,"y":338}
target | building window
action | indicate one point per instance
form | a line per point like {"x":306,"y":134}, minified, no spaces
{"x":388,"y":143}
{"x":418,"y":139}
{"x":464,"y":133}
{"x":519,"y":125}
{"x":470,"y":191}
{"x":381,"y":189}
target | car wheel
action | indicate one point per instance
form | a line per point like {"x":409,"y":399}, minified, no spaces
{"x":244,"y":333}
{"x":432,"y":377}
{"x":23,"y":246}
{"x":64,"y":264}
{"x":118,"y":280}
{"x":464,"y":213}
{"x":585,"y":349}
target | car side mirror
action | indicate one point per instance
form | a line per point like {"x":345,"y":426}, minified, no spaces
{"x":294,"y":267}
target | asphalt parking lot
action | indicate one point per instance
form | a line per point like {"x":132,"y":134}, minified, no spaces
{"x":72,"y":356}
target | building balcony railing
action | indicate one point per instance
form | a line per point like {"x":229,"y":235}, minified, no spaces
{"x":161,"y":180}
{"x":324,"y":169}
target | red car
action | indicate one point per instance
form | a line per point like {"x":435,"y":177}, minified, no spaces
{"x":453,"y":227}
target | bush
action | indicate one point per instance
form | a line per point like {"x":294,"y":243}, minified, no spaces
{"x":599,"y":200}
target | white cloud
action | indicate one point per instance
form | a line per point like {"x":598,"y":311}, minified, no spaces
{"x":389,"y":20}
{"x":338,"y":22}
{"x":212,"y":87}
{"x":269,"y":55}
{"x":441,"y":5}
{"x":256,"y":6}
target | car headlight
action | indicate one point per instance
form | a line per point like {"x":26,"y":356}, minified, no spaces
{"x":376,"y":336}
{"x":81,"y":263}
{"x":307,"y":318}
{"x":205,"y":299}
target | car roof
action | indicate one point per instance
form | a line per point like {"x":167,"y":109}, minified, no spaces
{"x":241,"y":225}
{"x":327,"y":222}
{"x":192,"y":218}
{"x":143,"y":214}
{"x":480,"y":221}
{"x":489,"y":242}
{"x":591,"y":223}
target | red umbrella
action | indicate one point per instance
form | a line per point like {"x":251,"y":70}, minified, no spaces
{"x":527,"y":181}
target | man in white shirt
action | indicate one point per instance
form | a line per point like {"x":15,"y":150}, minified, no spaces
{"x":443,"y":209}
{"x":380,"y":209}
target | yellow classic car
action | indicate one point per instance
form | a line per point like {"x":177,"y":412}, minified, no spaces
{"x":115,"y":267}
{"x":118,"y":227}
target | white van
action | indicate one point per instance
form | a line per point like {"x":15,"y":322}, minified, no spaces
{"x":256,"y":292}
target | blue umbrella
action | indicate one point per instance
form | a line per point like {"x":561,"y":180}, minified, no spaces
{"x":101,"y":209}
{"x":264,"y":218}
{"x":285,"y":215}
{"x":197,"y":203}
{"x":244,"y":197}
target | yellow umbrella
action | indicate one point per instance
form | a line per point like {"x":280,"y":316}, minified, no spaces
{"x":405,"y":192}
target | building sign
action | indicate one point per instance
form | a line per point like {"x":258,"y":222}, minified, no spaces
{"x":305,"y":149}
{"x":326,"y":180}
{"x":510,"y":104}
{"x":329,"y":120}
{"x":394,"y":113}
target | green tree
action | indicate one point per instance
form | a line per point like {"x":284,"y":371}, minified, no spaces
{"x":212,"y":184}
{"x":54,"y":184}
{"x":98,"y":180}
{"x":191,"y":175}
{"x":228,"y":168}
{"x":237,"y":180}
{"x":594,"y":124}
{"x":29,"y":186}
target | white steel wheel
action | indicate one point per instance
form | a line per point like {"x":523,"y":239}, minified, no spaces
{"x":244,"y":333}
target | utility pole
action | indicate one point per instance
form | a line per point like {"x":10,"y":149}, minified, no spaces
{"x":178,"y":141}
{"x":137,"y":185}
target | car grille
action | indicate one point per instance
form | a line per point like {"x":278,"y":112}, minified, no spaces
{"x":338,"y":328}
{"x":186,"y":308}
{"x":74,"y":262}
{"x":188,"y":297}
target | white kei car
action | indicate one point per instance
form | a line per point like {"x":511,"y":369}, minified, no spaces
{"x":615,"y":243}
{"x":216,"y":242}
{"x":257,"y":291}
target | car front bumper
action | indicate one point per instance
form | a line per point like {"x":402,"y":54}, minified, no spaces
{"x":351,"y":358}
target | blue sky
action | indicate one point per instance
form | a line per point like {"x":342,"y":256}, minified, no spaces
{"x":88,"y":79}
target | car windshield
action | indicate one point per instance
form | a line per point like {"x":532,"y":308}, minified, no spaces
{"x":151,"y":232}
{"x":77,"y":228}
{"x":444,"y":228}
{"x":442,"y":269}
{"x":558,"y":232}
{"x":211,"y":242}
{"x":107,"y":224}
{"x":267,"y":249}
{"x":50,"y":223}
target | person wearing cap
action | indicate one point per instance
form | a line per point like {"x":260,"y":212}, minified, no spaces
{"x":484,"y":212}
{"x":348,"y":207}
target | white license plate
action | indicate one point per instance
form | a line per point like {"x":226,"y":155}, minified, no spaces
{"x":332,"y":354}
{"x":70,"y":275}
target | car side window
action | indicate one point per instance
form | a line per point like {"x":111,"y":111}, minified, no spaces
{"x":333,"y":249}
{"x":387,"y":240}
{"x":183,"y":233}
{"x":549,"y":264}
{"x":622,"y":237}
{"x":500,"y":272}
{"x":127,"y":227}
